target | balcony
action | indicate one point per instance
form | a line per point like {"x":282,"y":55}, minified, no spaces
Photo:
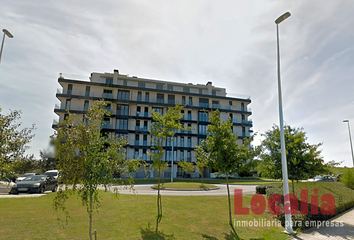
{"x":204,"y":105}
{"x":142,"y":129}
{"x":159,"y":100}
{"x":55,"y":122}
{"x":142,"y":114}
{"x":246,"y":134}
{"x":107,"y":126}
{"x":216,"y":106}
{"x":204,"y":119}
{"x":171,"y":102}
{"x":247,"y":121}
{"x":137,"y":142}
{"x":107,"y":95}
{"x":233,"y":120}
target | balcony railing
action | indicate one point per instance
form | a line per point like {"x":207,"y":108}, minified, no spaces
{"x":218,"y":106}
{"x":247,"y":121}
{"x":246,"y":134}
{"x":159,"y":100}
{"x":137,"y":142}
{"x":55,"y":122}
{"x":204,"y":119}
{"x":137,"y":128}
{"x":107,"y":95}
{"x":107,"y":126}
{"x":142,"y":114}
{"x":205,"y":105}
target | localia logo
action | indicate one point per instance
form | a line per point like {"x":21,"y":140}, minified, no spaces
{"x":258,"y":203}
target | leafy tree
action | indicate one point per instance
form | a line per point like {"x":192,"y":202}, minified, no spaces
{"x":87,"y":159}
{"x":304,"y":160}
{"x":163,"y":126}
{"x":225,"y":154}
{"x":348,"y":178}
{"x":202,"y":160}
{"x":13,"y":141}
{"x":47,"y":161}
{"x":187,"y":167}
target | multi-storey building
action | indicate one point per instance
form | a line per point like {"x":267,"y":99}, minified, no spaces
{"x":132,"y":100}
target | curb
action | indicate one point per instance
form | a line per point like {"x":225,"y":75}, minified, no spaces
{"x":181,"y":189}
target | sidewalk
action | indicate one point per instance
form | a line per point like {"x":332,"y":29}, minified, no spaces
{"x":344,"y":231}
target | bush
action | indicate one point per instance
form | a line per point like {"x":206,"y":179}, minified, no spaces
{"x":262,"y":189}
{"x":348,"y":178}
{"x":344,"y":200}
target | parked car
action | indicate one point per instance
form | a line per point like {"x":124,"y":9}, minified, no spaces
{"x":7,"y":186}
{"x":321,"y":179}
{"x":19,"y":179}
{"x":38,"y":184}
{"x":52,"y":173}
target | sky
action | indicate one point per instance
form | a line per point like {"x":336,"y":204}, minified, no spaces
{"x":230,"y":43}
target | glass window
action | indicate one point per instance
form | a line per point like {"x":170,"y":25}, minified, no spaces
{"x":189,"y":143}
{"x":183,"y":100}
{"x":122,"y":124}
{"x":70,"y":89}
{"x":159,"y":86}
{"x":186,"y":89}
{"x":171,"y":99}
{"x":203,"y":102}
{"x":109,"y":81}
{"x":203,"y":129}
{"x":182,"y":142}
{"x":203,"y":116}
{"x":87,"y":91}
{"x":190,"y":103}
{"x":68,"y":104}
{"x":147,"y":96}
{"x":213,"y":93}
{"x":169,"y":87}
{"x":123,"y":95}
{"x":141,"y":84}
{"x":123,"y":110}
{"x":160,"y":98}
{"x":139,"y":96}
{"x":125,"y":83}
{"x":181,"y":155}
{"x":200,"y":91}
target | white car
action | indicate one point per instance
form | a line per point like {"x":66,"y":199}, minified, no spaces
{"x":24,"y":176}
{"x":52,"y":173}
{"x":7,"y":186}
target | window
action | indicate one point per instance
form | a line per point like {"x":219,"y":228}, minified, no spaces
{"x":183,"y":100}
{"x":201,"y":140}
{"x":157,"y":109}
{"x":213,"y":93}
{"x":68,"y":104}
{"x":123,"y":110}
{"x":137,"y":139}
{"x":141,"y":84}
{"x":87,"y":91}
{"x":182,"y":142}
{"x":145,"y":125}
{"x":86,"y":105}
{"x":145,"y":140}
{"x":107,"y":93}
{"x":108,"y":107}
{"x":203,"y":129}
{"x":169,"y":87}
{"x":215,"y":104}
{"x":137,"y":125}
{"x":106,"y":123}
{"x":123,"y":95}
{"x":136,"y":153}
{"x":181,"y":155}
{"x":203,"y":116}
{"x":168,"y":142}
{"x":70,"y":89}
{"x":189,"y":142}
{"x":125,"y":83}
{"x":200,"y":91}
{"x":122,"y":124}
{"x":189,"y":157}
{"x":144,"y":155}
{"x":186,"y":89}
{"x":147,"y":96}
{"x":189,"y":116}
{"x":171,"y":99}
{"x":242,"y":106}
{"x":139,"y":96}
{"x":119,"y":135}
{"x":159,"y":86}
{"x":203,"y":102}
{"x":146,"y":112}
{"x":160,"y":98}
{"x":190,"y":128}
{"x":109,"y":81}
{"x":190,"y":103}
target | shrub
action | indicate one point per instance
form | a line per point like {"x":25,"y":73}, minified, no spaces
{"x":262,"y":189}
{"x":348,"y":178}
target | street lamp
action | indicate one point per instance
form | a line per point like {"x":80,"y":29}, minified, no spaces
{"x":282,"y":141}
{"x":350,"y":138}
{"x":7,"y":33}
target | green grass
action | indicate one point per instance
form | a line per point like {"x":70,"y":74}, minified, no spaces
{"x":211,"y":181}
{"x":186,"y":185}
{"x":129,"y":217}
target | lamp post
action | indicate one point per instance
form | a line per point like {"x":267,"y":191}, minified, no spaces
{"x":7,"y":33}
{"x":172,"y":160}
{"x":350,"y":138}
{"x":282,"y":141}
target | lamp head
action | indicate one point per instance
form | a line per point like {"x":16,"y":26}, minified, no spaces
{"x":8,"y":33}
{"x":346,"y":121}
{"x":282,"y":17}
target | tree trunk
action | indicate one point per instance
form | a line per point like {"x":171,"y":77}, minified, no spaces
{"x":90,"y":229}
{"x":230,"y":216}
{"x":159,"y":205}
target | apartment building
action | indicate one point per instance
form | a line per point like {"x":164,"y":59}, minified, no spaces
{"x":131,"y":101}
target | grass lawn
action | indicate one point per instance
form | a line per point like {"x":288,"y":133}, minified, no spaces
{"x":211,"y":181}
{"x":130,"y":217}
{"x":186,"y":185}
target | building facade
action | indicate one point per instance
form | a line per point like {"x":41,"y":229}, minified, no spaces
{"x":131,"y":101}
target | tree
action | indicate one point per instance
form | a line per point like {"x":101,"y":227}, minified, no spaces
{"x":304,"y":160}
{"x":163,"y":126}
{"x":225,"y":154}
{"x":202,"y":160}
{"x":13,"y":141}
{"x":187,"y":167}
{"x":87,"y":159}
